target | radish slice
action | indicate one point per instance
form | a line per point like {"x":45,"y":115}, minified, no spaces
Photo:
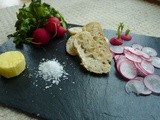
{"x":117,"y":49}
{"x":138,"y":87}
{"x":116,"y":57}
{"x":128,"y":69}
{"x":156,"y":62}
{"x":137,"y":46}
{"x":121,"y":59}
{"x":147,"y":59}
{"x":152,"y":82}
{"x":150,"y":51}
{"x":133,"y":57}
{"x":141,"y":71}
{"x":148,"y":67}
{"x":143,"y":54}
{"x":129,"y":49}
{"x":138,"y":78}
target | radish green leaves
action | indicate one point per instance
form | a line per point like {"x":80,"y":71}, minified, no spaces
{"x":31,"y":17}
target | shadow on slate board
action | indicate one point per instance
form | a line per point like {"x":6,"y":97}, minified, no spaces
{"x":83,"y":96}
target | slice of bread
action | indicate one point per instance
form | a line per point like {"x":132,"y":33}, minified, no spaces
{"x":70,"y":46}
{"x":97,"y":32}
{"x":91,"y":56}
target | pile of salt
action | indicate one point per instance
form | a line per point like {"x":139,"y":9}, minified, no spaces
{"x":52,"y":71}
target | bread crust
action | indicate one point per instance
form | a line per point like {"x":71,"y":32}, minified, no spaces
{"x":70,"y":46}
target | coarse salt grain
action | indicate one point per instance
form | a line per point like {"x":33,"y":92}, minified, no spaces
{"x":52,"y":71}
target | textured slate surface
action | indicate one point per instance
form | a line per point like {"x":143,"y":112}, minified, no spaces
{"x":84,"y":96}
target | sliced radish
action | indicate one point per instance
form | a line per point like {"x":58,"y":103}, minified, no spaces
{"x":133,"y":57}
{"x":117,"y":49}
{"x":148,"y":67}
{"x":116,"y":57}
{"x":143,"y":54}
{"x":137,"y":46}
{"x":134,"y":51}
{"x":141,"y":71}
{"x":156,"y":62}
{"x":130,"y":86}
{"x":150,"y":51}
{"x":121,"y":59}
{"x":129,"y":49}
{"x":128,"y":69}
{"x":138,"y":87}
{"x":152,"y":82}
{"x":138,"y":78}
{"x":147,"y":59}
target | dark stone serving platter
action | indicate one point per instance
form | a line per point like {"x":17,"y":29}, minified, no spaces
{"x":83,"y":96}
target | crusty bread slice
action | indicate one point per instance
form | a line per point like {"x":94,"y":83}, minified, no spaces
{"x":97,"y":32}
{"x":70,"y":46}
{"x":92,"y":58}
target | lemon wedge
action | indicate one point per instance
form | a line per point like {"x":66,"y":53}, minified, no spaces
{"x":12,"y":63}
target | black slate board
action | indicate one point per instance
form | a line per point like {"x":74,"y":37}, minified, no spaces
{"x":84,"y":96}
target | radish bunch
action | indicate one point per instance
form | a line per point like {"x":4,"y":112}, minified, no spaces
{"x":52,"y":28}
{"x":137,"y":64}
{"x":118,"y":40}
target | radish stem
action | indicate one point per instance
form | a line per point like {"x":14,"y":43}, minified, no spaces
{"x":119,"y":30}
{"x":127,"y":32}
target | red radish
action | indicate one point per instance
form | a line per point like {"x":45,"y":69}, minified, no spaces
{"x":51,"y":27}
{"x":55,"y":20}
{"x":126,"y":36}
{"x":61,"y":31}
{"x":52,"y":24}
{"x":117,"y":49}
{"x":138,"y":87}
{"x":152,"y":82}
{"x":118,"y":40}
{"x":41,"y":36}
{"x":150,"y":51}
